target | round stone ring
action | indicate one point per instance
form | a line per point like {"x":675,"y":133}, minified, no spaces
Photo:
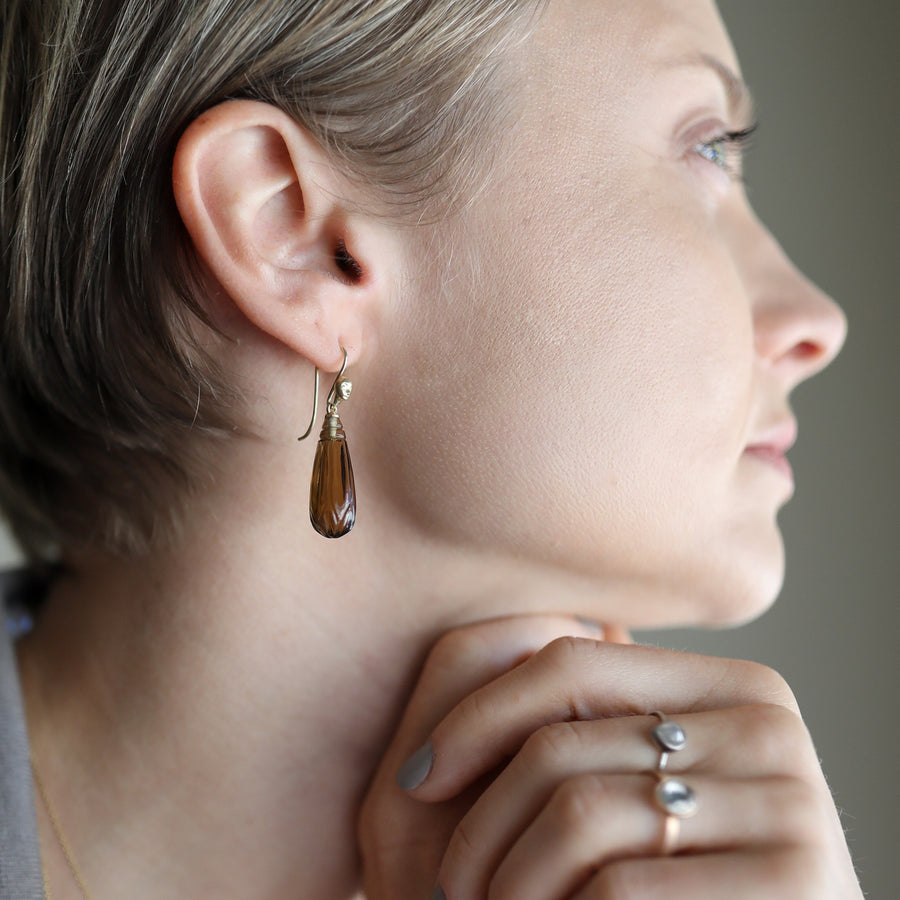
{"x":672,"y":795}
{"x":676,"y":798}
{"x":678,"y":801}
{"x":669,"y":737}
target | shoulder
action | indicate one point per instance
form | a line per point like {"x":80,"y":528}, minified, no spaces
{"x":21,"y":592}
{"x":20,"y":866}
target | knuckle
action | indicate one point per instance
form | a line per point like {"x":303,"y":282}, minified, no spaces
{"x":479,"y":706}
{"x":462,"y":850}
{"x":455,"y":649}
{"x":797,"y":874}
{"x":768,"y":685}
{"x":566,"y":661}
{"x":622,"y":880}
{"x":578,"y":802}
{"x":567,"y":651}
{"x":775,"y":736}
{"x":799,"y":808}
{"x":551,"y":746}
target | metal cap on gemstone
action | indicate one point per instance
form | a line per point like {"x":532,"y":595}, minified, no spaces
{"x":676,"y":798}
{"x":670,"y":736}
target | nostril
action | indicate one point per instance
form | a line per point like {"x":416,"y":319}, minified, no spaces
{"x":808,"y":350}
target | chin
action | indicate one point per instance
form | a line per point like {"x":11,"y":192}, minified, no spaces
{"x":746,"y":587}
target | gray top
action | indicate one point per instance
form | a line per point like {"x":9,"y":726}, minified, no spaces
{"x":20,"y":853}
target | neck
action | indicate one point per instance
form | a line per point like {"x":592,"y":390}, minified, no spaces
{"x":192,"y":728}
{"x":222,"y":706}
{"x":213,"y":709}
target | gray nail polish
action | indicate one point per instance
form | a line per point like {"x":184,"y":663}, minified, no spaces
{"x":438,"y":894}
{"x":415,"y":770}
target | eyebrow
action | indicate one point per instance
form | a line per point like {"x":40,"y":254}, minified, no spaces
{"x":740,"y":100}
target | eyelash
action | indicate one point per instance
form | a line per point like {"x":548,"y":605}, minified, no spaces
{"x":720,"y":149}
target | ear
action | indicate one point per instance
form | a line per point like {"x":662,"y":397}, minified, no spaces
{"x":263,"y":206}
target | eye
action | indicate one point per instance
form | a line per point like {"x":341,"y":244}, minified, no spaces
{"x":726,"y":151}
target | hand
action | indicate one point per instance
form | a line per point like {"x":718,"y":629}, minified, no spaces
{"x":539,"y":789}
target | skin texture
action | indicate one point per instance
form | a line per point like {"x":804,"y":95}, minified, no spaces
{"x":553,"y":392}
{"x":633,"y":328}
{"x":569,"y":813}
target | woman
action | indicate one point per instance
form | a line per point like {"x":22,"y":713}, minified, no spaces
{"x":521,"y":227}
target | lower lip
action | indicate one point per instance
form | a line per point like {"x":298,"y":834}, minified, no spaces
{"x":773,"y":458}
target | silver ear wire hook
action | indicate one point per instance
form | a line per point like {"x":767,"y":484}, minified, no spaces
{"x":340,"y":390}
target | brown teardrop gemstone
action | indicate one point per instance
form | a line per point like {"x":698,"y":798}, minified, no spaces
{"x":332,"y":493}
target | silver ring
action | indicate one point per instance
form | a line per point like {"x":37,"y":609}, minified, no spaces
{"x":669,"y":737}
{"x":678,"y":801}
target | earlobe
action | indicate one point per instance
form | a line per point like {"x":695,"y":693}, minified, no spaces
{"x":262,"y":205}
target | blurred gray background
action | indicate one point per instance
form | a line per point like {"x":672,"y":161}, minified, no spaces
{"x":824,"y":175}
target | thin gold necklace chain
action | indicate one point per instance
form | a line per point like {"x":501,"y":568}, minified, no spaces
{"x":63,"y":843}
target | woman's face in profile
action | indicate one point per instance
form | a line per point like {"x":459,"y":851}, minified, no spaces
{"x":624,"y":328}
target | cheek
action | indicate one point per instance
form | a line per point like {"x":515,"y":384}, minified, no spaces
{"x":589,"y":388}
{"x":670,"y":355}
{"x":677,"y":359}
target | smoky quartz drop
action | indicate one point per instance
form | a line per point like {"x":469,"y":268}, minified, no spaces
{"x":332,"y":493}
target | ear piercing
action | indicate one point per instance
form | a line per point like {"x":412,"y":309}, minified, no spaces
{"x":332,"y":492}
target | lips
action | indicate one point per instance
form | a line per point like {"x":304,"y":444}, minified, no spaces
{"x":779,"y":437}
{"x":771,"y":445}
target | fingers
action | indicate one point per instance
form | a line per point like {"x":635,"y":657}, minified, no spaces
{"x":568,"y":726}
{"x":468,"y":658}
{"x":593,"y":820}
{"x":402,"y":841}
{"x":537,"y":750}
{"x":581,"y":679}
{"x":791,"y":873}
{"x":754,"y":740}
{"x":746,"y":742}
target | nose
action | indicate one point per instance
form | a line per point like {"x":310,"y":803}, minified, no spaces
{"x":798,"y":328}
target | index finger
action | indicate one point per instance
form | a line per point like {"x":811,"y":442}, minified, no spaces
{"x":575,"y":679}
{"x":467,"y":658}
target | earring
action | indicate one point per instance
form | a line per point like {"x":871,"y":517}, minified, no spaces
{"x":332,"y":493}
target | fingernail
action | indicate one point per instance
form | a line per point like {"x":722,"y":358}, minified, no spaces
{"x":590,"y":624}
{"x":438,"y":894}
{"x":415,"y":770}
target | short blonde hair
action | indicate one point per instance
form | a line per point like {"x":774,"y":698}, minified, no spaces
{"x":103,"y":393}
